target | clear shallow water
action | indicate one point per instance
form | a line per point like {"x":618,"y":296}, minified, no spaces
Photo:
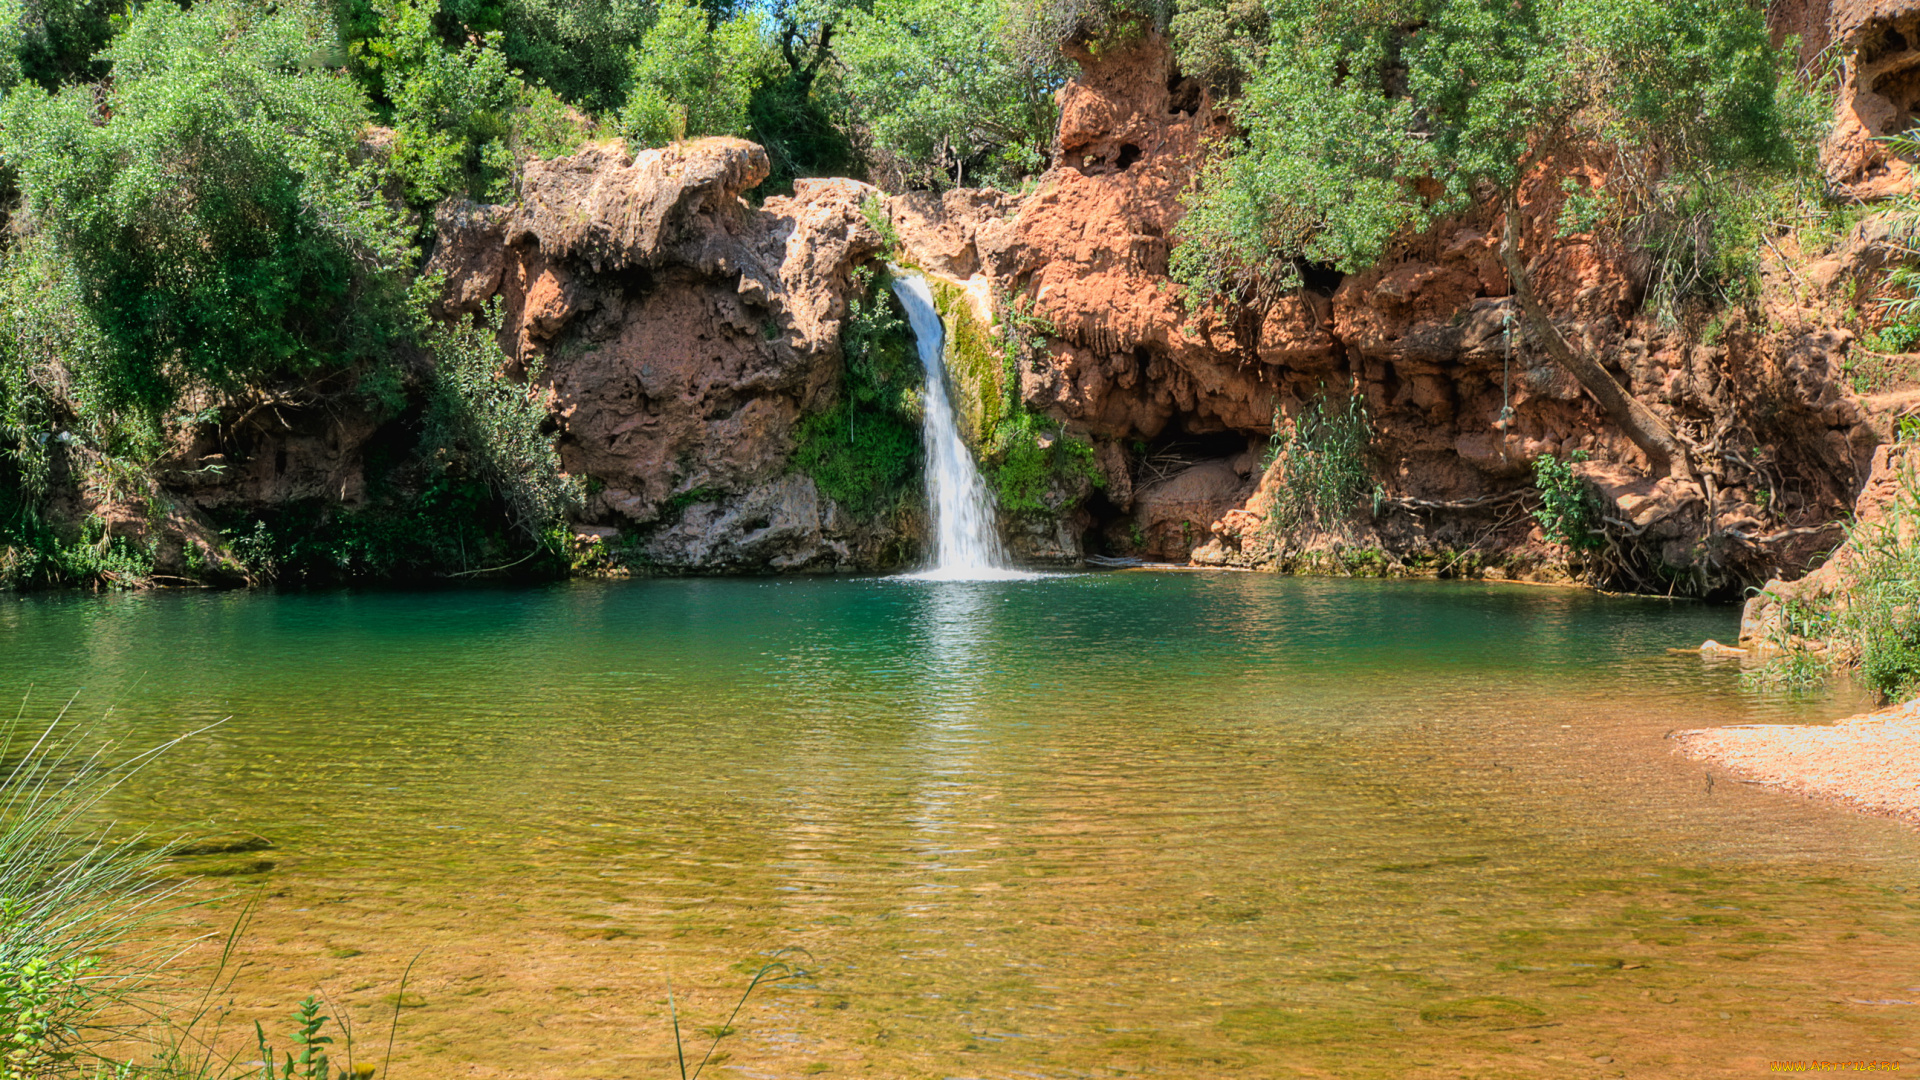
{"x":1170,"y":824}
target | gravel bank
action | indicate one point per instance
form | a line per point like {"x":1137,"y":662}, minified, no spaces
{"x":1870,"y":762}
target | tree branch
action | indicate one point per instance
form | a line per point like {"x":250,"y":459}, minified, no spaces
{"x":1648,"y":431}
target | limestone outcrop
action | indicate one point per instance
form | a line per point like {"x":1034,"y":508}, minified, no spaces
{"x":1461,"y":402}
{"x":683,"y":333}
{"x":1878,"y":45}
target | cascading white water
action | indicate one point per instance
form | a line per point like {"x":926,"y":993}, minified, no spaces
{"x":966,"y":544}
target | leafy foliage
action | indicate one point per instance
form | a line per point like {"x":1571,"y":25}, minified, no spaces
{"x":32,"y":553}
{"x":1881,"y":613}
{"x":865,"y":452}
{"x":491,"y":429}
{"x":54,"y":42}
{"x":1381,"y":117}
{"x":1567,"y":512}
{"x":577,"y":49}
{"x":946,"y":92}
{"x":1322,"y":456}
{"x":1873,"y":624}
{"x":691,"y":78}
{"x":450,"y":106}
{"x":202,"y":220}
{"x":1030,"y":462}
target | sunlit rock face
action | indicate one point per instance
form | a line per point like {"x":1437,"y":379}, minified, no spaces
{"x":683,"y":333}
{"x":1878,"y":44}
{"x":1178,"y":398}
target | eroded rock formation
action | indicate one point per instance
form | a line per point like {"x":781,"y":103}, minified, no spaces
{"x":683,"y":333}
{"x":1461,"y":401}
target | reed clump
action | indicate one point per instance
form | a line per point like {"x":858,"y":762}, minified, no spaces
{"x":1870,"y":624}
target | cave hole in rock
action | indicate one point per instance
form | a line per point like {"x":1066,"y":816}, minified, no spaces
{"x":1177,"y":448}
{"x":280,"y":462}
{"x":1901,"y":89}
{"x":1888,"y":41}
{"x":1142,"y":360}
{"x":1103,"y":521}
{"x":391,"y":445}
{"x":1322,"y":278}
{"x":1183,"y":95}
{"x":1129,"y":155}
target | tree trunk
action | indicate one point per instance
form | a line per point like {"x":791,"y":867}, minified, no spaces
{"x":1651,"y":434}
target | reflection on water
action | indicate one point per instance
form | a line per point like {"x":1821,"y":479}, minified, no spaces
{"x":1187,"y":825}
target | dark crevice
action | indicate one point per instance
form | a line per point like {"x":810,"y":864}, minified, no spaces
{"x":1322,"y":278}
{"x":1183,"y":96}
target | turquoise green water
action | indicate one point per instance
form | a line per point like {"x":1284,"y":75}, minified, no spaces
{"x":1170,"y":824}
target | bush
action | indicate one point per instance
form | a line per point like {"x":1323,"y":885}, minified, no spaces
{"x":1567,"y":512}
{"x":1322,"y":455}
{"x":1377,"y":120}
{"x":690,"y":78}
{"x":1880,"y":614}
{"x":55,"y":42}
{"x":482,"y":425}
{"x":947,"y":93}
{"x":1033,"y":466}
{"x":1029,"y":461}
{"x":450,"y":106}
{"x":578,"y":49}
{"x":865,"y":452}
{"x":1873,"y":623}
{"x":199,"y":221}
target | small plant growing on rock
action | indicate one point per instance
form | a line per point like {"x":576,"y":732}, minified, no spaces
{"x":874,"y":209}
{"x":1567,"y":514}
{"x":1322,"y":454}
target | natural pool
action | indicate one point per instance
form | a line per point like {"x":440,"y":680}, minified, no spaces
{"x":1095,"y":825}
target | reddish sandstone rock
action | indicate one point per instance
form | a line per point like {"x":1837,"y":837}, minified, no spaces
{"x":684,"y":333}
{"x":1879,"y":46}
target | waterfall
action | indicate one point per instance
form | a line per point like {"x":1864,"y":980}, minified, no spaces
{"x":966,"y":545}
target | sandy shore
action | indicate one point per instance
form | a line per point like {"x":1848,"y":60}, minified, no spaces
{"x":1869,"y":762}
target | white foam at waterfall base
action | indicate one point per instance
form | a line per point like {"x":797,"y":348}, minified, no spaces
{"x":966,"y":543}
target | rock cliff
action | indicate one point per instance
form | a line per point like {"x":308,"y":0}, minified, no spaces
{"x":1184,"y":403}
{"x":683,"y":334}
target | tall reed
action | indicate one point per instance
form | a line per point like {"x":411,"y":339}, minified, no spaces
{"x":78,"y":900}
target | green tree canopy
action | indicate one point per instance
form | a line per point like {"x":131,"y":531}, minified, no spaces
{"x":692,"y":77}
{"x":947,"y":91}
{"x":203,"y":218}
{"x":1367,"y":120}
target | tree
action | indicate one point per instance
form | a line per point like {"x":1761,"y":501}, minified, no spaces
{"x":1368,"y":120}
{"x":451,"y":106}
{"x":947,"y":91}
{"x":201,"y":219}
{"x":692,"y":77}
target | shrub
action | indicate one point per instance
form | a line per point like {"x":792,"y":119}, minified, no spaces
{"x":578,"y":49}
{"x":1873,"y":624}
{"x":449,"y":106}
{"x":865,"y":451}
{"x":1567,"y":512}
{"x":1880,"y":614}
{"x":485,"y":426}
{"x":1032,"y":465}
{"x":198,"y":221}
{"x":1322,"y":455}
{"x":691,"y":78}
{"x":947,"y":94}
